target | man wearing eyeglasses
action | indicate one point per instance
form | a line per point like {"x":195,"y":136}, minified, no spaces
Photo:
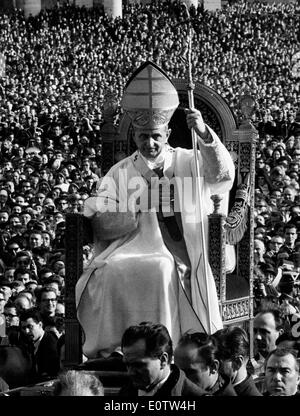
{"x":62,"y":204}
{"x":47,"y":304}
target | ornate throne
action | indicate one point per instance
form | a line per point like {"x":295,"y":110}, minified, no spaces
{"x":235,"y":289}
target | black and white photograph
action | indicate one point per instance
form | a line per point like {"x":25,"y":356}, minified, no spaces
{"x":150,"y":202}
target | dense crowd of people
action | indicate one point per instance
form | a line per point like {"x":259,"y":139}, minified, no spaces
{"x":59,"y":66}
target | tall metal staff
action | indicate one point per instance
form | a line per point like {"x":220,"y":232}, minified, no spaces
{"x":199,"y":204}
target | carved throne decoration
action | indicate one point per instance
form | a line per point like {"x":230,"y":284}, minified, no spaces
{"x":235,"y":290}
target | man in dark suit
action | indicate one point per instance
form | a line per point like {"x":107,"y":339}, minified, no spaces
{"x":197,"y":355}
{"x":43,"y":345}
{"x":233,"y":352}
{"x":148,"y":352}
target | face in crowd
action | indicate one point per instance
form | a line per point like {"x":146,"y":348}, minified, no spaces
{"x":259,"y":251}
{"x":32,"y":330}
{"x":265,"y":333}
{"x":282,"y":374}
{"x":144,"y":371}
{"x":48,"y":303}
{"x":189,"y":360}
{"x":275,"y":243}
{"x":290,"y":236}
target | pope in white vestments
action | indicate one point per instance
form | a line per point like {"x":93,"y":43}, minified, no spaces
{"x":148,"y":263}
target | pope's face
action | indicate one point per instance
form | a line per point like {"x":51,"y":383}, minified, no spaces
{"x":150,"y":142}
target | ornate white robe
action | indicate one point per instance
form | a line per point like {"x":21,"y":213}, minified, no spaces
{"x":134,"y":277}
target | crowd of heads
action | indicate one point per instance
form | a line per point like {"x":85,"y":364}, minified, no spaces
{"x":217,"y":364}
{"x":199,"y":364}
{"x":276,"y":351}
{"x":60,"y":66}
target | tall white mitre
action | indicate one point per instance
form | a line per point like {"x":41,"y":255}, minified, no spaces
{"x":150,"y":98}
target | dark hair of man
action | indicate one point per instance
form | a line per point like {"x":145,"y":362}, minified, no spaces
{"x":270,"y":307}
{"x":156,"y":336}
{"x":48,"y":232}
{"x":54,"y":279}
{"x":13,"y":215}
{"x":206,"y":345}
{"x":13,"y":240}
{"x":32,"y":313}
{"x":23,"y":294}
{"x":10,"y":304}
{"x":282,"y":352}
{"x":35,"y":231}
{"x":44,"y":289}
{"x":40,"y":251}
{"x":34,"y":174}
{"x":22,"y":253}
{"x":26,"y":194}
{"x":29,"y":292}
{"x":289,"y":337}
{"x":9,"y":268}
{"x":286,"y":336}
{"x":22,"y":270}
{"x":4,"y":283}
{"x":289,"y":226}
{"x":43,"y":270}
{"x":232,"y":341}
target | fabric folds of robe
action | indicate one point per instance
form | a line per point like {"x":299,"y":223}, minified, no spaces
{"x":134,"y":278}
